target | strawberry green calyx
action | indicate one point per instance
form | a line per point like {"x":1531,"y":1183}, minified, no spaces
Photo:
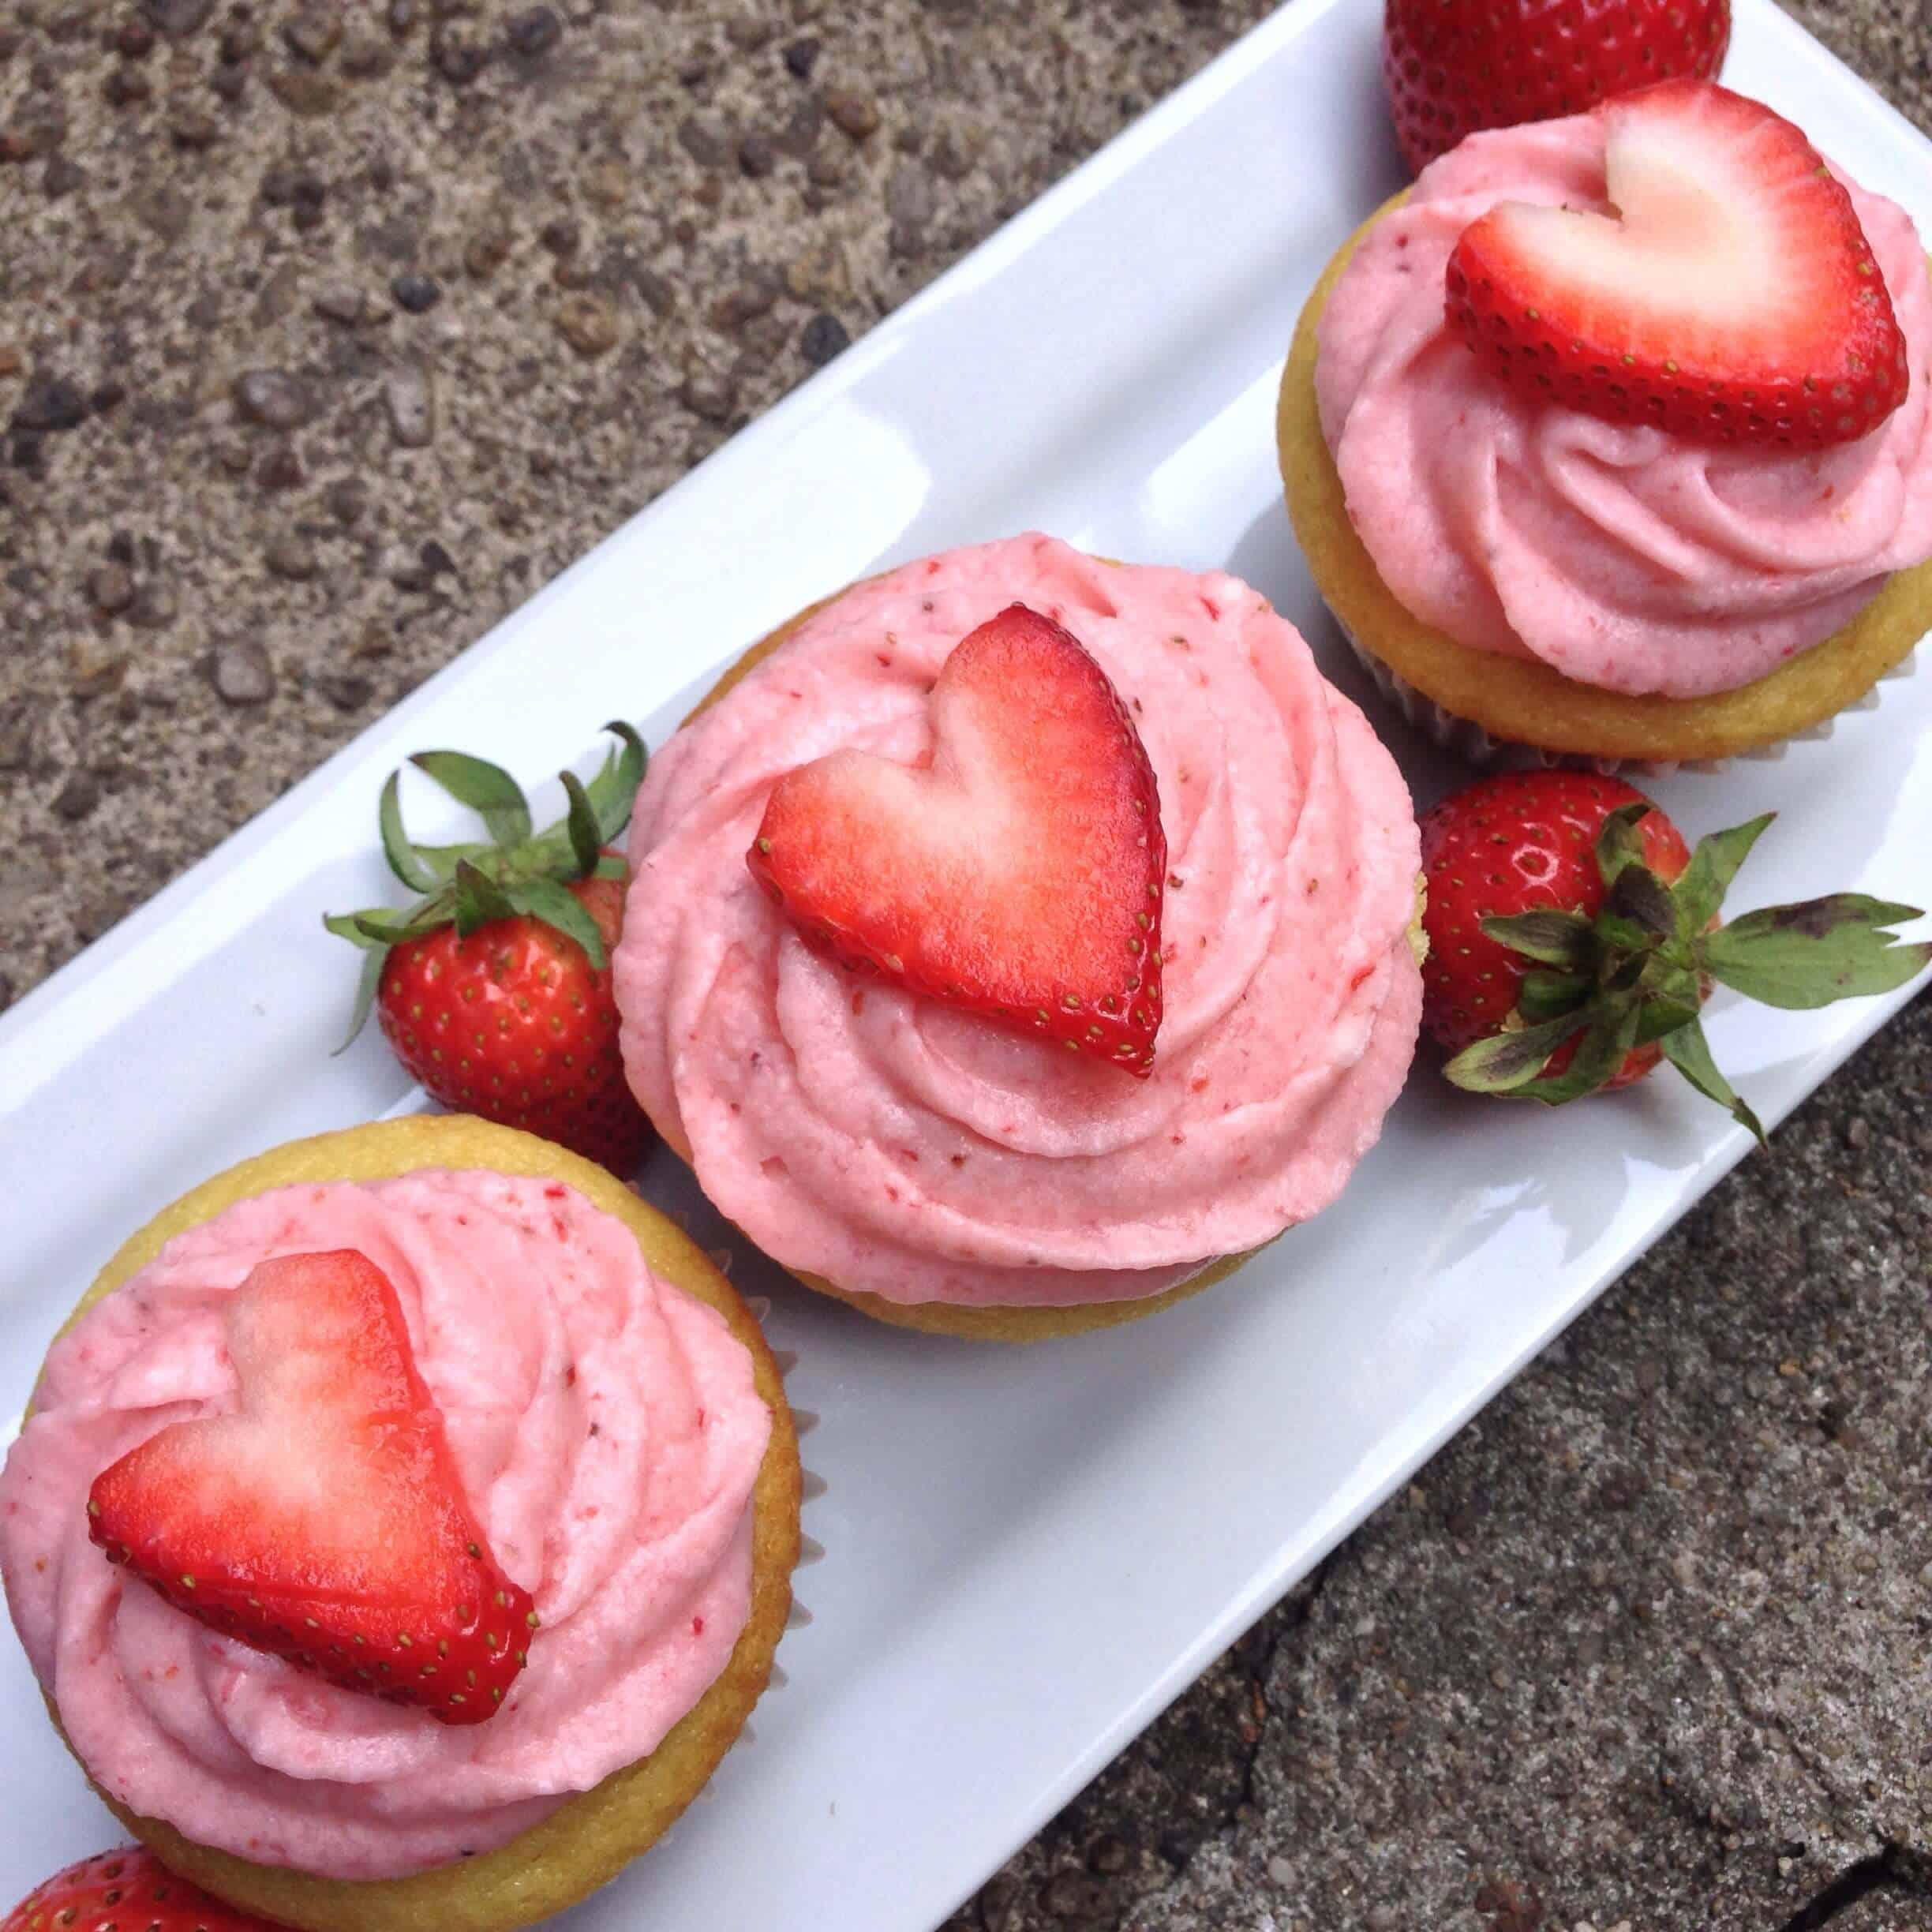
{"x":516,"y":870}
{"x":1638,"y":971}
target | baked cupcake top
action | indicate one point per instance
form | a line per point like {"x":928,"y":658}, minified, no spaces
{"x":896,"y":1146}
{"x":607,"y":1432}
{"x":1620,"y":555}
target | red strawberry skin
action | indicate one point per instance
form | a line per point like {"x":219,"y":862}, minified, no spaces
{"x":324,"y":1521}
{"x":129,"y":1888}
{"x":1453,"y":66}
{"x":1521,"y":842}
{"x":1018,"y":875}
{"x":1733,"y":299}
{"x":515,"y":1025}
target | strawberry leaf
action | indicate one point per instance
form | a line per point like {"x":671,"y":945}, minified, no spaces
{"x":348,"y":926}
{"x":1502,"y":1063}
{"x":1599,"y":1053}
{"x":545,"y":900}
{"x":586,"y":837}
{"x":1689,"y":1051}
{"x":1620,"y":844}
{"x":381,"y":927}
{"x":1557,"y":939}
{"x":487,"y":789}
{"x":1659,"y":1017}
{"x":367,"y":983}
{"x":479,"y":899}
{"x":612,"y":791}
{"x":1808,"y":955}
{"x":1640,"y":901}
{"x":1707,"y":879}
{"x":611,"y":866}
{"x":1544,"y":995}
{"x":442,"y":861}
{"x":403,"y":861}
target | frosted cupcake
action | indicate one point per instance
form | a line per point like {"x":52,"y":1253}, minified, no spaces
{"x":1683,"y":583}
{"x":555,"y":1402}
{"x":993,"y":1156}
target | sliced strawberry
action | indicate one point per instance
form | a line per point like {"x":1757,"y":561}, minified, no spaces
{"x":1018,"y":875}
{"x":324,"y":1521}
{"x":1733,"y":298}
{"x":130,"y":1888}
{"x":1453,"y":66}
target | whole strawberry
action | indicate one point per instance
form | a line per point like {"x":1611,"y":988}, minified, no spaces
{"x":494,"y":990}
{"x":1453,"y":66}
{"x":130,"y":1888}
{"x":1574,"y":938}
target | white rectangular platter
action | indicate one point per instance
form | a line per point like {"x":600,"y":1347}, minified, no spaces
{"x":1027,"y":1554}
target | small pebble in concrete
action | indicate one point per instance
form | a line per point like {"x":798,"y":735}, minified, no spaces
{"x":339,"y":304}
{"x":703,"y":141}
{"x":365,"y":58}
{"x":281,"y":469}
{"x":533,"y":32}
{"x":346,"y":500}
{"x":274,"y":398}
{"x":487,"y":250}
{"x":588,"y":323}
{"x":291,"y":556}
{"x":346,"y":694}
{"x":456,"y":55}
{"x":304,"y":93}
{"x":823,"y":337}
{"x":178,"y":18}
{"x":111,"y":587}
{"x":127,"y":86}
{"x":154,"y":606}
{"x":707,"y":395}
{"x":801,"y":57}
{"x":49,"y":404}
{"x":417,"y":293}
{"x":193,"y":129}
{"x":757,"y":157}
{"x":408,"y":395}
{"x":852,"y":113}
{"x":313,"y":33}
{"x":241,"y":674}
{"x":77,"y":798}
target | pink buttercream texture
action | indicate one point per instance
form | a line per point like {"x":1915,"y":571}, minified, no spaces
{"x":1620,"y":556}
{"x":607,"y":1432}
{"x":898,"y":1147}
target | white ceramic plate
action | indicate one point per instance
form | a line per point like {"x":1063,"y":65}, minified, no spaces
{"x":1029,"y":1552}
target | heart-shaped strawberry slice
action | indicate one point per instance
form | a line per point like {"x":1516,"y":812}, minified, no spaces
{"x":1016,"y":875}
{"x":324,"y":1520}
{"x":1733,"y":298}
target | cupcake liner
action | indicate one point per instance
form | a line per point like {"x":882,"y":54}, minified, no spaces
{"x":1474,"y":745}
{"x":811,"y":1486}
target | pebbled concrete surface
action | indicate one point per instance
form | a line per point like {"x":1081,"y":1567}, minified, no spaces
{"x":326,"y":335}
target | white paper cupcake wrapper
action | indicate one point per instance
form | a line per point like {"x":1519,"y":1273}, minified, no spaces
{"x":811,"y":1486}
{"x":1474,"y":745}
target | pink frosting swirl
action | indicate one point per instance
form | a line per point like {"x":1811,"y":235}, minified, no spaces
{"x":1620,"y":556}
{"x":609,"y":1433}
{"x":895,"y":1146}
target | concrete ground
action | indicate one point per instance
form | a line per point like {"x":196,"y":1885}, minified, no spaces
{"x":329,"y":333}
